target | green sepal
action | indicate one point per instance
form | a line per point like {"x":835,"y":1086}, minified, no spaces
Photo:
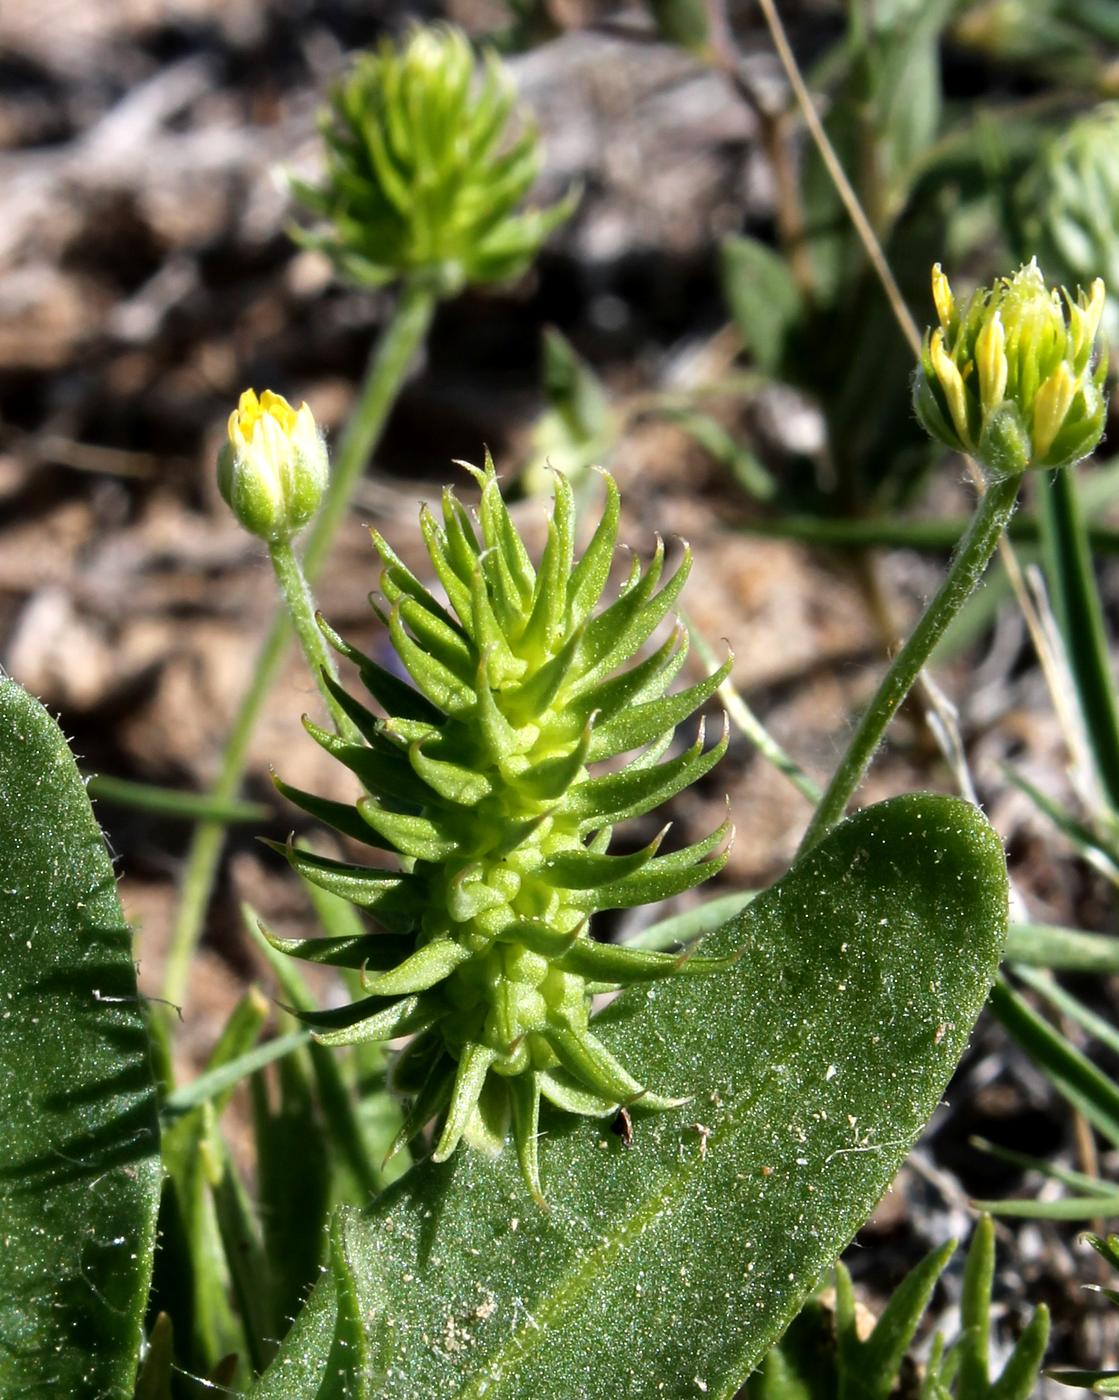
{"x":584,"y":1055}
{"x":536,"y":694}
{"x":370,"y":949}
{"x":545,"y":626}
{"x":389,"y":894}
{"x":342,"y":816}
{"x":539,"y":937}
{"x":468,"y":896}
{"x":441,"y":686}
{"x":616,"y":797}
{"x":645,"y":616}
{"x":494,"y":730}
{"x":604,"y":634}
{"x":647,"y":678}
{"x":420,"y":972}
{"x":445,"y":644}
{"x":402,"y":582}
{"x":524,"y":1095}
{"x":641,"y":723}
{"x":551,"y":779}
{"x":453,"y":782}
{"x":589,"y":576}
{"x":429,"y":1101}
{"x":562,"y":1089}
{"x":660,"y":878}
{"x":473,"y":1066}
{"x":383,"y":769}
{"x":367,"y":724}
{"x":371,"y":1020}
{"x":586,"y":870}
{"x":396,"y":697}
{"x":619,"y":966}
{"x":488,"y":633}
{"x":497,"y":524}
{"x":456,"y":587}
{"x":412,"y":836}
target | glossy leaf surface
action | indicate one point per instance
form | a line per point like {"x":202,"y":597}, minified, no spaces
{"x":668,"y":1267}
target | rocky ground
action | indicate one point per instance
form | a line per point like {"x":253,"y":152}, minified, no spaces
{"x":146,"y":277}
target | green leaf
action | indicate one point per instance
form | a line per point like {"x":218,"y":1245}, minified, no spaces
{"x":811,"y":1066}
{"x":763,"y":300}
{"x":575,"y":431}
{"x":1062,"y":949}
{"x":80,"y":1175}
{"x":169,"y":802}
{"x":1079,"y":612}
{"x":727,"y":450}
{"x":1082,"y":1084}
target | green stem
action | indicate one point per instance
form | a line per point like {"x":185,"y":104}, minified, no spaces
{"x":967,"y":568}
{"x":932,"y":535}
{"x":1076,"y":602}
{"x":384,"y":376}
{"x":301,"y":611}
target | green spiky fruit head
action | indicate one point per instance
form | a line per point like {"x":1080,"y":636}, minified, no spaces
{"x":426,"y":169}
{"x":483,"y":780}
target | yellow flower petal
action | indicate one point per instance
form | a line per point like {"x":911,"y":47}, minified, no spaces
{"x":1051,"y":406}
{"x":943,"y":299}
{"x":952,"y":383}
{"x":990,"y":355}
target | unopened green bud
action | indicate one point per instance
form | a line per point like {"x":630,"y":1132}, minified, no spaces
{"x":422,"y":177}
{"x":1066,"y":205}
{"x":1014,"y":378}
{"x":273,"y":470}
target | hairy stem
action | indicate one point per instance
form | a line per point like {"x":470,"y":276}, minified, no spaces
{"x":384,"y":377}
{"x":990,"y":519}
{"x":301,"y":612}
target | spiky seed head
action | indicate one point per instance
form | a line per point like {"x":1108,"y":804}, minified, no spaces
{"x":273,"y":469}
{"x":426,"y":166}
{"x":1015,"y":377}
{"x":483,"y":776}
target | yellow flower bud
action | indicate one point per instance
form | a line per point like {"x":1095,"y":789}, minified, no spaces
{"x":943,"y":299}
{"x":990,"y":347}
{"x":1014,"y":377}
{"x":273,"y":470}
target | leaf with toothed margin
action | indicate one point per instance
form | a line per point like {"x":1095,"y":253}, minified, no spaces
{"x":811,"y":1065}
